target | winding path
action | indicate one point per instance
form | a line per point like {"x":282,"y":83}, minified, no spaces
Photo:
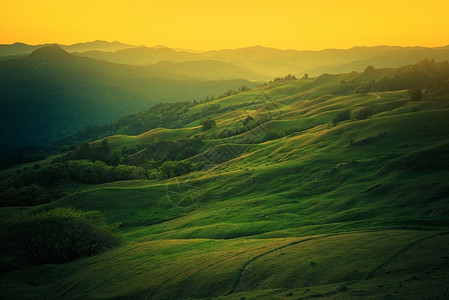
{"x":370,"y":274}
{"x":245,"y":266}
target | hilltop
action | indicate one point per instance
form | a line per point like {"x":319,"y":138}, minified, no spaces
{"x":334,"y":186}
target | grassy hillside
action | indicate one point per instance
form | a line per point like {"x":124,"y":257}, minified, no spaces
{"x":52,"y":94}
{"x":296,"y":199}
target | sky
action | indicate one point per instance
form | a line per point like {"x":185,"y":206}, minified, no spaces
{"x":220,"y":24}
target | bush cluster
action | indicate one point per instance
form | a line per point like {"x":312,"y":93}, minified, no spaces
{"x":56,"y":236}
{"x":27,"y":187}
{"x":176,"y":168}
{"x":341,"y":116}
{"x":364,"y":113}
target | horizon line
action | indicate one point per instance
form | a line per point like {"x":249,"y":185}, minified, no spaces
{"x":210,"y":50}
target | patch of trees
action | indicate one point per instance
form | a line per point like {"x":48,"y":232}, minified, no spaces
{"x":28,"y":195}
{"x":93,"y":152}
{"x":211,"y":108}
{"x":415,"y":94}
{"x":208,"y":124}
{"x":341,"y":116}
{"x":56,"y":236}
{"x":346,"y":87}
{"x":288,"y":77}
{"x":248,"y":124}
{"x":99,"y":172}
{"x":176,"y":168}
{"x":161,"y":150}
{"x":361,"y":142}
{"x":231,"y":92}
{"x":438,"y":93}
{"x":29,"y":187}
{"x":365,"y":88}
{"x":364,"y":113}
{"x":271,"y":135}
{"x":424,"y":75}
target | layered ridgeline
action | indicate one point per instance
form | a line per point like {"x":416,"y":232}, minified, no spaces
{"x":260,"y":63}
{"x":301,"y":188}
{"x":274,"y":62}
{"x":51,"y":94}
{"x":22,"y":49}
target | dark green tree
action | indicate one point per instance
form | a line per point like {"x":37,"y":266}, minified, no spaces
{"x":364,"y":113}
{"x":208,"y":124}
{"x":415,"y":94}
{"x":342,"y":116}
{"x":104,"y":146}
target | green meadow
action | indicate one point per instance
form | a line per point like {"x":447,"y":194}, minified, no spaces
{"x":292,"y":202}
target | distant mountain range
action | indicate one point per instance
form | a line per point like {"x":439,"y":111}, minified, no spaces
{"x":259,"y":63}
{"x":23,"y":49}
{"x":51,"y":93}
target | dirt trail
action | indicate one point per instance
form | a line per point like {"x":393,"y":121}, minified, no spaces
{"x":400,"y":252}
{"x":375,"y":94}
{"x":245,"y":266}
{"x":370,"y":274}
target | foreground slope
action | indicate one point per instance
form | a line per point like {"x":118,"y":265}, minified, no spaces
{"x":297,"y":206}
{"x":395,"y":264}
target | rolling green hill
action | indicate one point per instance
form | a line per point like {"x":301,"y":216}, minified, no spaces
{"x":306,"y":189}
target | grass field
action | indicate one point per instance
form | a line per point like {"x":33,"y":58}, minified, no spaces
{"x":354,"y":209}
{"x":373,"y":264}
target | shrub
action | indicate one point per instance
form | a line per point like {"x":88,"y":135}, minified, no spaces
{"x":56,"y":236}
{"x":364,"y":113}
{"x":292,"y":130}
{"x":271,"y":135}
{"x":176,"y":168}
{"x":208,"y":124}
{"x":415,"y":94}
{"x":342,"y":116}
{"x":27,"y":195}
{"x":362,"y":89}
{"x":99,"y":172}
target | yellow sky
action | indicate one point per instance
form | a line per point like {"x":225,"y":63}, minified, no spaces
{"x":217,"y":24}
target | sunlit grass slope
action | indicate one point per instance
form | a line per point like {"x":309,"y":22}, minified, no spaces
{"x":373,"y":264}
{"x":353,"y":209}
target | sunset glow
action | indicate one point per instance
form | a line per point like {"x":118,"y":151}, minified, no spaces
{"x":200,"y":24}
